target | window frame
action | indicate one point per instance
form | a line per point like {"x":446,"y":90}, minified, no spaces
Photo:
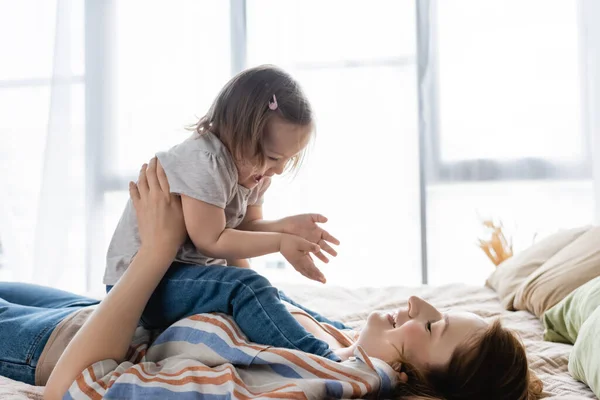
{"x":432,"y":169}
{"x":488,"y":169}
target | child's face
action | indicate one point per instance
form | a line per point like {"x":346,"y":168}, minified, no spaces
{"x":282,"y":142}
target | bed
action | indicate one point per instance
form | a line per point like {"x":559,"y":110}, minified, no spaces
{"x":548,"y":360}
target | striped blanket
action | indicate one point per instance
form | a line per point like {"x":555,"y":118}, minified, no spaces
{"x":207,"y":356}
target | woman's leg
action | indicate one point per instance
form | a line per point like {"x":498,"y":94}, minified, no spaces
{"x":247,"y":296}
{"x":315,"y":315}
{"x":24,"y":331}
{"x":27,"y":294}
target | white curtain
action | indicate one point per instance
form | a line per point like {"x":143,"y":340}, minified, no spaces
{"x":590,"y":15}
{"x":495,"y":116}
{"x":41,"y":136}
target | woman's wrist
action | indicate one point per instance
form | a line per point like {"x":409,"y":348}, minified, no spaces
{"x":157,"y":255}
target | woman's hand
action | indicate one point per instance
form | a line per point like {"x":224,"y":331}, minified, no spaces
{"x":162,"y":231}
{"x":306,"y":226}
{"x":296,"y":251}
{"x":159,"y":213}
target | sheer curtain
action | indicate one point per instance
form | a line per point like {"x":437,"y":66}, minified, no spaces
{"x":431,"y":116}
{"x":41,"y":136}
{"x":590,"y":13}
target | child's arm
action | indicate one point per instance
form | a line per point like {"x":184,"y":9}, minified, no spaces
{"x":205,"y":224}
{"x":254,"y":222}
{"x":304,"y":225}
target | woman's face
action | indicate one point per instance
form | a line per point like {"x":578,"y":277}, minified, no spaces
{"x":420,"y":333}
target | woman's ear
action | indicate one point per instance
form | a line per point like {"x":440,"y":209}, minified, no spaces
{"x":397,"y":366}
{"x":403,"y":377}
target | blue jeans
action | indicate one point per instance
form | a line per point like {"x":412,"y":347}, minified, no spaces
{"x":242,"y":293}
{"x":28,"y":315}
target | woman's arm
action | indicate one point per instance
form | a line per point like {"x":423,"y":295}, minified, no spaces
{"x":242,"y":263}
{"x":108,"y":332}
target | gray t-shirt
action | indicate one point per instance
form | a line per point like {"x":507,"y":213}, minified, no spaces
{"x":201,"y":167}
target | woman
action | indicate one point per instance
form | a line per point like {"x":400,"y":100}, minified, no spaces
{"x":452,"y":355}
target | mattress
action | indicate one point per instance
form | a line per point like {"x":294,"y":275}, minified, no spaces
{"x":548,"y":360}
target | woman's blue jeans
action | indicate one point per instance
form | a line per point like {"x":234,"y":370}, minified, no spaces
{"x":28,"y":315}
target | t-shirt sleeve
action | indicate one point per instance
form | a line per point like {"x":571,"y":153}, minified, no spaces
{"x":198,"y":173}
{"x":258,"y":193}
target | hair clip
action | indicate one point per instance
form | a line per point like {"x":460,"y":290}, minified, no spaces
{"x":273,"y":104}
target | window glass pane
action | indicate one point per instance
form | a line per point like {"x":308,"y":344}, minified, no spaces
{"x":528,"y":209}
{"x":28,"y":29}
{"x":509,"y":84}
{"x":314,"y":32}
{"x":361,"y":172}
{"x":172,"y":59}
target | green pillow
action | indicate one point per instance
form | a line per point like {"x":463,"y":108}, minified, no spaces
{"x":584,"y":361}
{"x":563,"y":321}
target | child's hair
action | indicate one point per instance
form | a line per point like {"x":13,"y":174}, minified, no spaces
{"x":488,"y":366}
{"x":240,"y":113}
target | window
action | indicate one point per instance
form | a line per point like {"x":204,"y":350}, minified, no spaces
{"x":506,"y":91}
{"x":504,"y":128}
{"x":159,"y":82}
{"x":365,"y":70}
{"x":413,"y":144}
{"x":357,"y":63}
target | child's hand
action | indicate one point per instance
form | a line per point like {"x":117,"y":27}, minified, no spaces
{"x":296,"y":251}
{"x":306,"y":226}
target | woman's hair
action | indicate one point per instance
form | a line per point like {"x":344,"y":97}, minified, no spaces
{"x":489,"y":366}
{"x":240,"y":113}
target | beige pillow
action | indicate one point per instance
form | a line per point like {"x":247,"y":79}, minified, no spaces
{"x":508,"y":276}
{"x":574,"y":265}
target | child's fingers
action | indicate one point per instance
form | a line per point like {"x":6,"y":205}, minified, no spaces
{"x":142,"y":181}
{"x":319,"y":218}
{"x":151,"y":175}
{"x":329,"y":238}
{"x":311,"y":247}
{"x":307,"y":268}
{"x":322,"y":257}
{"x":327,"y":248}
{"x":314,"y":272}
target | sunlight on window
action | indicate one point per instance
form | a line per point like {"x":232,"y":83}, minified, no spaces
{"x":509,"y":82}
{"x":172,"y":60}
{"x":362,"y":171}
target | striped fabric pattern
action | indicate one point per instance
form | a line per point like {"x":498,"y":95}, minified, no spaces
{"x":206,"y":356}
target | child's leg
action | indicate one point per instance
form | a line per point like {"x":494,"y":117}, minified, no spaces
{"x":247,"y":296}
{"x":27,"y":294}
{"x":315,"y":315}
